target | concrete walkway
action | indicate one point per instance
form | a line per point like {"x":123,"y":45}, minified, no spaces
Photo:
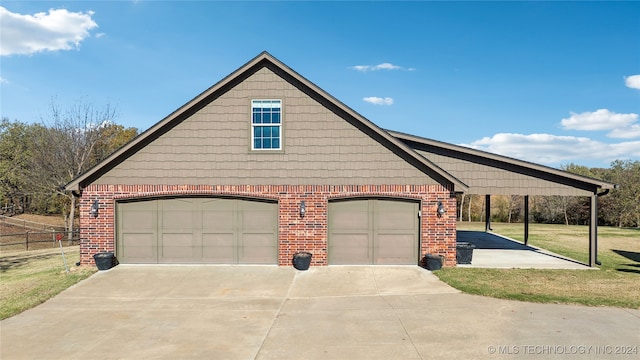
{"x":497,"y":251}
{"x":245,"y":312}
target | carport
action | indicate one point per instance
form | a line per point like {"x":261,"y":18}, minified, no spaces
{"x":490,"y":174}
{"x":500,"y":252}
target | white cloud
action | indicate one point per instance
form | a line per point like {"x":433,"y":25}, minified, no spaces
{"x":552,"y":149}
{"x":630,"y":148}
{"x":630,"y":132}
{"x":632,"y":81}
{"x":601,"y":119}
{"x":58,"y":29}
{"x":378,"y":100}
{"x":621,"y":125}
{"x":3,"y":80}
{"x":383,"y":66}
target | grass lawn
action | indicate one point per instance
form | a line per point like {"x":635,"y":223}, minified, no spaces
{"x":617,"y":283}
{"x":30,"y":278}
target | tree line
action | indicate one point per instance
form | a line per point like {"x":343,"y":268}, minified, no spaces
{"x":38,"y":159}
{"x":621,"y":207}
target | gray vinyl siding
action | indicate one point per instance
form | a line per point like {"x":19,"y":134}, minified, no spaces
{"x":212,"y":146}
{"x":484,"y":179}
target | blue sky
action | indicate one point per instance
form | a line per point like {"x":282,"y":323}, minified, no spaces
{"x":548,"y":82}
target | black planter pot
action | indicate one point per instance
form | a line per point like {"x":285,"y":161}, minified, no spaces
{"x":464,"y":252}
{"x":433,"y":262}
{"x":104,"y":260}
{"x":302,"y":260}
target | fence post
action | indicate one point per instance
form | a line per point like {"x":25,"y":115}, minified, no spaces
{"x":53,"y":237}
{"x":27,"y":242}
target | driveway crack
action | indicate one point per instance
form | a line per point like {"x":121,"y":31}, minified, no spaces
{"x":395,"y":312}
{"x":277,"y":315}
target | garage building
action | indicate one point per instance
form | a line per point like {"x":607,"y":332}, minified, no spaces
{"x":265,"y":164}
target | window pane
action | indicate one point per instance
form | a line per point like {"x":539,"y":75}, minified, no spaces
{"x":264,"y":113}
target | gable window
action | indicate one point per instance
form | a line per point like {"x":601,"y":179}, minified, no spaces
{"x":266,"y":124}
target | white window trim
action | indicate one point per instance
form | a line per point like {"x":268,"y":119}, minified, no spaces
{"x":255,"y":125}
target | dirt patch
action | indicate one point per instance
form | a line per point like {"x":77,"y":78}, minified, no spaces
{"x":53,"y":220}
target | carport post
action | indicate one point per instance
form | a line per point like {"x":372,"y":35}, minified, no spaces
{"x":487,"y":210}
{"x":526,"y":220}
{"x":593,"y":231}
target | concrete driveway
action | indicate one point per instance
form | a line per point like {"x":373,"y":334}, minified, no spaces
{"x":247,"y":312}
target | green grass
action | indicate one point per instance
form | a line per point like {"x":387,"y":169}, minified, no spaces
{"x":617,"y":283}
{"x":30,"y":278}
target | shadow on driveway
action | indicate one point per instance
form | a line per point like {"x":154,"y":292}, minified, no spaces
{"x":496,"y":251}
{"x":485,"y":240}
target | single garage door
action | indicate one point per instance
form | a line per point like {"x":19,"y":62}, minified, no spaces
{"x":373,"y":231}
{"x":197,"y":230}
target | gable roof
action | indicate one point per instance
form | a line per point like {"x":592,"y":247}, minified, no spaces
{"x":265,"y":59}
{"x":503,"y":162}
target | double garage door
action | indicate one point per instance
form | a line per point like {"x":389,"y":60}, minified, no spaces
{"x":197,"y":230}
{"x":240,"y":231}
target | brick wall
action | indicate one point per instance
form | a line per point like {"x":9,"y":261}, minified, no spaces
{"x":438,"y":234}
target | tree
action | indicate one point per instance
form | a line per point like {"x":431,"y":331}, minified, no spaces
{"x":515,"y":207}
{"x":112,"y":137}
{"x":549,"y":209}
{"x":15,"y":160}
{"x":581,"y":170}
{"x":623,"y":204}
{"x":72,"y":141}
